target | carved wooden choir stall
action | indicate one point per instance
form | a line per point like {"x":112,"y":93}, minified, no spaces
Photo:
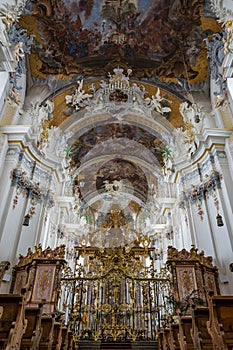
{"x":28,"y":315}
{"x":202,"y":318}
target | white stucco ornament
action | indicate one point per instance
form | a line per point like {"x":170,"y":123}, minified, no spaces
{"x":192,"y":113}
{"x":222,"y":9}
{"x":117,"y":97}
{"x":10,"y":13}
{"x":39,"y":113}
{"x":157,"y":103}
{"x":78,"y":97}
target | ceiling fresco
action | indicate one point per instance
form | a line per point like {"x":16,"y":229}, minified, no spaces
{"x":162,"y":38}
{"x":99,"y":134}
{"x":114,"y":177}
{"x":121,"y":146}
{"x":126,"y":148}
{"x":112,"y":186}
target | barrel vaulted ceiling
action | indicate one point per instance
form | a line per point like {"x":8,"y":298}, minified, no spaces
{"x":118,"y":57}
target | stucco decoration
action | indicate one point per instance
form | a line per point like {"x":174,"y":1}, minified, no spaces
{"x":194,"y":114}
{"x":221,"y":10}
{"x":39,"y":113}
{"x":117,"y":89}
{"x":28,"y":188}
{"x":10,"y":13}
{"x":20,"y":45}
{"x":215,"y":48}
{"x":78,"y":98}
{"x":185,"y":141}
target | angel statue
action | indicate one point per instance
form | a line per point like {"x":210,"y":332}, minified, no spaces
{"x":77,"y":98}
{"x":157,"y":102}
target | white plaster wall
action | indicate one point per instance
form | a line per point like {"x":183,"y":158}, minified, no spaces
{"x":229,"y":153}
{"x":213,"y":240}
{"x":203,"y":237}
{"x":6,"y":189}
{"x":11,"y":230}
{"x":230,"y":92}
{"x":223,"y":247}
{"x":27,"y":235}
{"x":51,"y":237}
{"x":3,"y":90}
{"x":225,"y":194}
{"x":3,"y":151}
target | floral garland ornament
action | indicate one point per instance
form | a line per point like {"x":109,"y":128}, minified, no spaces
{"x":201,"y":192}
{"x":30,"y":189}
{"x":200,"y":212}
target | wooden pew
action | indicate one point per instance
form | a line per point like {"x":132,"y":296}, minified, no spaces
{"x":159,"y":338}
{"x":173,"y":339}
{"x":33,"y":332}
{"x":47,"y":325}
{"x":220,"y":324}
{"x":184,"y":336}
{"x":70,"y":340}
{"x":166,"y":334}
{"x":200,"y":335}
{"x":168,"y":337}
{"x":12,"y":321}
{"x":64,"y":333}
{"x":57,"y":336}
{"x":163,"y":338}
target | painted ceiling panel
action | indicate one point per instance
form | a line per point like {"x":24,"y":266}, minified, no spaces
{"x":162,"y":38}
{"x":99,"y":134}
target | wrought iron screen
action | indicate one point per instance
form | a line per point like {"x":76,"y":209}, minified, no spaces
{"x":113,"y":295}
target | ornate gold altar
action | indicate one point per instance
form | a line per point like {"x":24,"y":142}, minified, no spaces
{"x":115,"y":294}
